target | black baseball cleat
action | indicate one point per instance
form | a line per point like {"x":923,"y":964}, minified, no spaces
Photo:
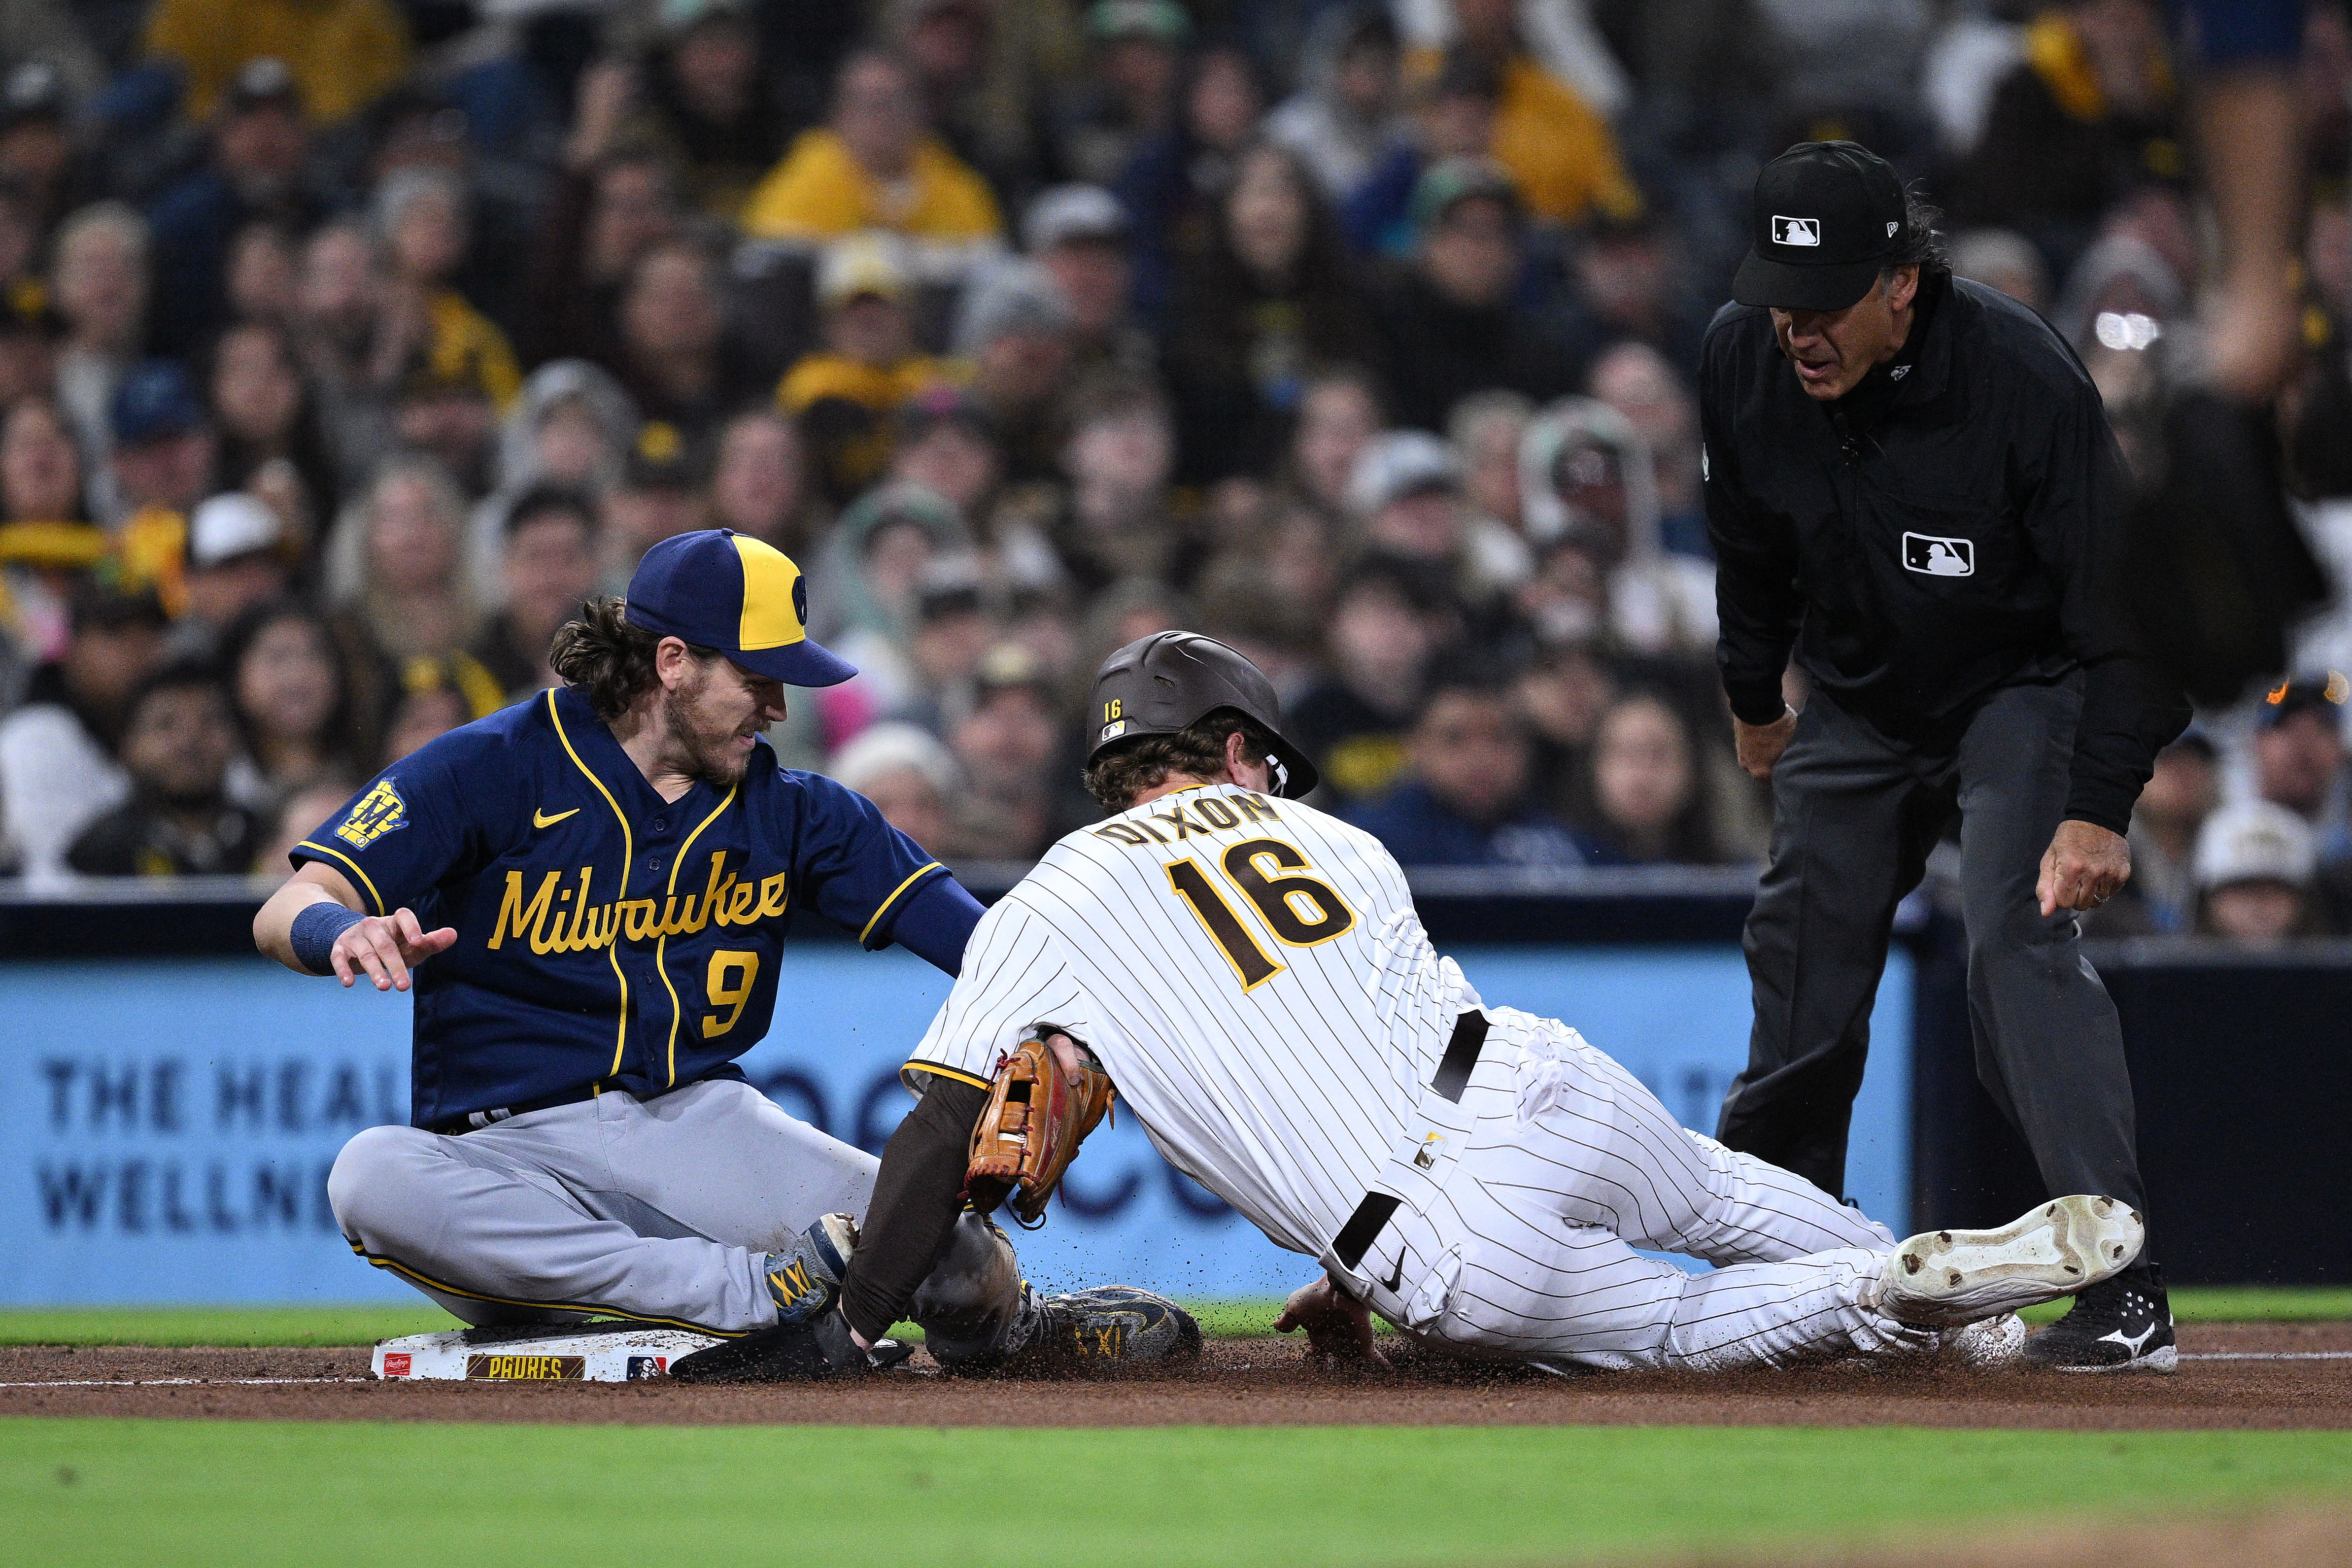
{"x":1112,"y":1328}
{"x":2123,"y":1325}
{"x":790,"y":1352}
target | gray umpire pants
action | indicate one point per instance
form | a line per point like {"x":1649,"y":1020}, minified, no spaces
{"x":662,"y":1210}
{"x":1854,"y":816}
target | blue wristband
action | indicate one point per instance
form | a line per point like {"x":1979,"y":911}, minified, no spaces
{"x":315,"y":929}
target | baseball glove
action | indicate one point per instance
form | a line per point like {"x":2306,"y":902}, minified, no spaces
{"x":1038,"y":1114}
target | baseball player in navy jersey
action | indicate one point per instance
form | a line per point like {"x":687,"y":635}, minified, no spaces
{"x":588,"y":892}
{"x":1253,"y":978}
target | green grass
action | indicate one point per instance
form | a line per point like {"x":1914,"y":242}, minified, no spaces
{"x":360,"y":1325}
{"x":259,"y":1494}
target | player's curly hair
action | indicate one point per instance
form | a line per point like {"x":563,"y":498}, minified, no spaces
{"x":612,"y":660}
{"x":1118,"y":775}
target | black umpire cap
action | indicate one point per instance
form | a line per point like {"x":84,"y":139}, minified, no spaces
{"x":1170,"y":682}
{"x":1827,"y":217}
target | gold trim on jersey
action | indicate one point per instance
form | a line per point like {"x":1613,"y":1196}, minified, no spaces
{"x":405,"y":1272}
{"x":629,"y":854}
{"x":323,"y":849}
{"x":936,"y":1069}
{"x":885,"y":907}
{"x":661,"y":948}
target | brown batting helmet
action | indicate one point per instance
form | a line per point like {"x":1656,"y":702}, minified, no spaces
{"x":1168,"y":681}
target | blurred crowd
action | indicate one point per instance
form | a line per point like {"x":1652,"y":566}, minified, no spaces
{"x":347,"y":345}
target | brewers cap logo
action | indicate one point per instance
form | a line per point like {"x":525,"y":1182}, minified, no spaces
{"x":379,"y":812}
{"x":1796,"y":230}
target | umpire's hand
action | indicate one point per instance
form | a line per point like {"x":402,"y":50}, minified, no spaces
{"x":2084,"y":866}
{"x":1760,"y":745}
{"x":385,"y":948}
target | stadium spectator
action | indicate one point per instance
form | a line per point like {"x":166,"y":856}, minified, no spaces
{"x":1172,"y":187}
{"x":295,"y":818}
{"x":270,"y":437}
{"x":1454,"y":118}
{"x":1118,"y":524}
{"x":1338,"y":411}
{"x":1016,"y":332}
{"x":611,"y":205}
{"x":396,"y":570}
{"x":420,"y":219}
{"x":2255,"y":862}
{"x":1640,"y":384}
{"x":982,"y":69}
{"x":339,"y":333}
{"x":678,"y":362}
{"x":1649,"y":790}
{"x":1587,"y":476}
{"x":238,"y":558}
{"x":2088,"y":112}
{"x":58,"y":770}
{"x":294,"y":703}
{"x":1406,"y":496}
{"x":844,"y":393}
{"x":953,"y":632}
{"x":1452,"y":323}
{"x":549,"y":571}
{"x":760,"y":483}
{"x":341,"y":55}
{"x":1127,"y":93}
{"x":47,"y":548}
{"x":867,"y":599}
{"x":178,"y":739}
{"x":99,"y":279}
{"x":1564,"y":691}
{"x":258,"y":145}
{"x":947,"y":444}
{"x":1005,"y":748}
{"x":1484,"y":431}
{"x":1385,"y":622}
{"x":909,"y":776}
{"x":432,"y":701}
{"x":1078,"y":234}
{"x":1557,"y":147}
{"x":39,"y":160}
{"x":2005,"y":259}
{"x":1344,"y":115}
{"x":161,"y":464}
{"x":660,"y":496}
{"x":700,"y":102}
{"x":1465,"y":799}
{"x":1267,"y":301}
{"x":2162,"y":895}
{"x":873,"y":165}
{"x":2299,"y":756}
{"x":1625,"y":282}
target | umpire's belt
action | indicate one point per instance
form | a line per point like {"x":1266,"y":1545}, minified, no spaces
{"x":1452,"y":1077}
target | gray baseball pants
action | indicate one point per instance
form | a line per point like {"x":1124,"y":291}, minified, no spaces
{"x":662,"y":1210}
{"x":1855,"y":814}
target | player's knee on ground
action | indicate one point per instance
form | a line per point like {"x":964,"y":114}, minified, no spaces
{"x":970,"y":1302}
{"x":373,"y":1178}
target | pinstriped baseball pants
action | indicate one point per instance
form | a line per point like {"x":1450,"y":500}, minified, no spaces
{"x":1572,"y":1167}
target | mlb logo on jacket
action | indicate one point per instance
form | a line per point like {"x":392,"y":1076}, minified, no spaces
{"x":1940,"y":557}
{"x":1796,"y":230}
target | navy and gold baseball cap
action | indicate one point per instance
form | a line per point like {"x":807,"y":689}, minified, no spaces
{"x":1826,"y":216}
{"x":716,"y":588}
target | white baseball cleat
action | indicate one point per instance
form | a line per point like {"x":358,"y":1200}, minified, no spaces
{"x":1943,"y":1279}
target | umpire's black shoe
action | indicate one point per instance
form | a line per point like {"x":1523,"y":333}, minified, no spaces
{"x":2123,"y":1325}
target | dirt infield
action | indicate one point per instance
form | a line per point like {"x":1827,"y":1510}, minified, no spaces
{"x":2295,"y":1384}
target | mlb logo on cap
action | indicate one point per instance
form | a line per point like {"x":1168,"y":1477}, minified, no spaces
{"x":719,"y":589}
{"x":1853,"y":208}
{"x":1796,"y":230}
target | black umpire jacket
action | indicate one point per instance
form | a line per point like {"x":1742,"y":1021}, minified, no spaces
{"x":1955,"y":524}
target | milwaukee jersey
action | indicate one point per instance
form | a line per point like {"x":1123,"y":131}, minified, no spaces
{"x":1251,"y":974}
{"x":605,"y":936}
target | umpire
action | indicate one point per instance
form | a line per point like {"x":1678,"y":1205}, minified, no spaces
{"x":1910,"y":481}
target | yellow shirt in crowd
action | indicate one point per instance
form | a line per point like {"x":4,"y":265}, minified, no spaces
{"x":344,"y":53}
{"x":820,"y":191}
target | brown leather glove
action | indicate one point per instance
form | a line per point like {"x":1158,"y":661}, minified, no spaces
{"x":1038,"y":1111}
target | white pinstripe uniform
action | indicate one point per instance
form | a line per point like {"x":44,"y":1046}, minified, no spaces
{"x":1252,"y":976}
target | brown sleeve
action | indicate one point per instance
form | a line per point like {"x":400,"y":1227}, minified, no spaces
{"x":917,"y":1196}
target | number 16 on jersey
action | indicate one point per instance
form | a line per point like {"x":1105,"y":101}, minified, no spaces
{"x":1300,"y":910}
